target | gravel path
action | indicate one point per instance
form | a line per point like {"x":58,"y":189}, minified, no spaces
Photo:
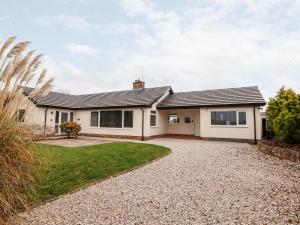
{"x":201,"y":182}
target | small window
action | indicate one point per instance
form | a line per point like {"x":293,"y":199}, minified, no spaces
{"x":223,"y":118}
{"x":173,"y":118}
{"x":21,"y":115}
{"x":71,"y":116}
{"x":128,"y":119}
{"x":94,"y":119}
{"x":153,"y":118}
{"x":242,"y":118}
{"x":188,"y":118}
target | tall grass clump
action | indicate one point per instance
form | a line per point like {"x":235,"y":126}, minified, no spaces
{"x":18,"y":69}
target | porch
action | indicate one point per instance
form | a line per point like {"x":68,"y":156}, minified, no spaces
{"x":179,"y":123}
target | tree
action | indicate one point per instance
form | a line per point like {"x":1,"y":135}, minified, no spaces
{"x":283,"y":116}
{"x":71,"y":129}
{"x":18,"y":68}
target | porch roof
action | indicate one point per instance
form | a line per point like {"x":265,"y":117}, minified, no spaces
{"x":240,"y":96}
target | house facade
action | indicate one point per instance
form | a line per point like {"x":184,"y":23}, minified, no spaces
{"x":144,"y":113}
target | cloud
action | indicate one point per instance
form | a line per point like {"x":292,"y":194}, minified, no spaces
{"x":71,"y":68}
{"x":71,"y":22}
{"x":76,"y":23}
{"x":4,"y":18}
{"x":121,"y":28}
{"x":82,"y":49}
{"x":217,"y":44}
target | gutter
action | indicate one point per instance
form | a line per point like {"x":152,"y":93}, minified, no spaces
{"x":142,"y":124}
{"x":254,"y":120}
{"x":45,"y":121}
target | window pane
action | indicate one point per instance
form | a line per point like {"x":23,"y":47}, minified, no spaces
{"x":71,"y":116}
{"x":152,"y":120}
{"x":242,"y":118}
{"x":223,"y":118}
{"x":188,"y":117}
{"x":21,"y":115}
{"x":111,"y":119}
{"x":64,"y":117}
{"x":173,"y":118}
{"x":94,"y":119}
{"x":128,"y":118}
{"x":56,"y":116}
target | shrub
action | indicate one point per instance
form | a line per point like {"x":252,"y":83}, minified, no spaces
{"x":71,"y":129}
{"x":17,"y":68}
{"x":283,"y":115}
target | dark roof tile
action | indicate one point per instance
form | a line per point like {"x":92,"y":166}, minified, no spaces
{"x":228,"y":96}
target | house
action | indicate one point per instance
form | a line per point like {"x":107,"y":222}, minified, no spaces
{"x":144,"y":113}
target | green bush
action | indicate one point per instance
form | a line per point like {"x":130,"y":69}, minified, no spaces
{"x":283,"y":115}
{"x":70,"y":129}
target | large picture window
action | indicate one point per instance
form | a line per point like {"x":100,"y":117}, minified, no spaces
{"x":128,"y":119}
{"x":228,"y":118}
{"x":153,"y":118}
{"x":223,"y":118}
{"x":94,"y":119}
{"x":111,"y":119}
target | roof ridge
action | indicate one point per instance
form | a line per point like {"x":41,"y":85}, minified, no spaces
{"x":106,"y":92}
{"x":217,"y":89}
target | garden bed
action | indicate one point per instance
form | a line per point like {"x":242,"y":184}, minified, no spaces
{"x":283,"y":151}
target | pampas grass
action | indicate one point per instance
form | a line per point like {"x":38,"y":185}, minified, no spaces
{"x":18,"y":68}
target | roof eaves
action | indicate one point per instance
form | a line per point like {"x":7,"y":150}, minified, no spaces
{"x":211,"y":106}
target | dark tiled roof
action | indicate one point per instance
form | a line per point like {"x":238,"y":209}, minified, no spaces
{"x":128,"y":98}
{"x":219,"y":97}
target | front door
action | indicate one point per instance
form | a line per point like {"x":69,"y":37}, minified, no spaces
{"x":61,"y":117}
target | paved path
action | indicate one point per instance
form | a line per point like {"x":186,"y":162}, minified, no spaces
{"x":201,"y":182}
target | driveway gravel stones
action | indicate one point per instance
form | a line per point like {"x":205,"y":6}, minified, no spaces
{"x":200,"y":182}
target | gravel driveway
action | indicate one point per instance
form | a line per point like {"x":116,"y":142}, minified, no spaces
{"x":201,"y":182}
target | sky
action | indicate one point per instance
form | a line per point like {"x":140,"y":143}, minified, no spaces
{"x":95,"y":46}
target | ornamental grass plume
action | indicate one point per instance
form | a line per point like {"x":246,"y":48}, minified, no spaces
{"x":18,"y":68}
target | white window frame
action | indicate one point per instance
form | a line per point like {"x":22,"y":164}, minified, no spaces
{"x":173,"y":114}
{"x":98,"y":124}
{"x":153,"y":114}
{"x":237,"y":118}
{"x":188,"y":115}
{"x":124,"y":117}
{"x":112,"y":128}
{"x":238,"y":122}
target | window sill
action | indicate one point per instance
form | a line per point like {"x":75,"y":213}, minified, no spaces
{"x":112,"y":128}
{"x":230,"y":126}
{"x":153,"y":126}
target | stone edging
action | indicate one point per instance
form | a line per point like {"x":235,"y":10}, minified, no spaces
{"x":279,"y":152}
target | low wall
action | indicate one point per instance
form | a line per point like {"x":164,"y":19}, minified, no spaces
{"x":282,"y":153}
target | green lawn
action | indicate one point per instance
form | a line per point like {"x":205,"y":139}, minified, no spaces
{"x":64,"y":169}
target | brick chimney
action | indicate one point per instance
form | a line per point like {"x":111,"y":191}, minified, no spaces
{"x":138,"y":84}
